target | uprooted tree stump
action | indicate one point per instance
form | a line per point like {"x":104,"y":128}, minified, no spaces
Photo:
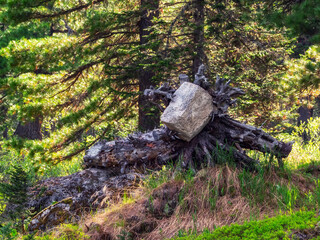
{"x":197,"y":127}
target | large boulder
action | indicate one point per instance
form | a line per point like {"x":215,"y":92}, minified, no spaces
{"x":189,"y":111}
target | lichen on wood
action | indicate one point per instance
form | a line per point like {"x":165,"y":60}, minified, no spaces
{"x":162,"y":145}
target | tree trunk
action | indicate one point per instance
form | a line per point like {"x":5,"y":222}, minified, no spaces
{"x":222,"y":137}
{"x":304,"y":115}
{"x":149,"y":115}
{"x":198,"y":35}
{"x":3,"y":116}
{"x":30,"y":130}
{"x":316,"y":108}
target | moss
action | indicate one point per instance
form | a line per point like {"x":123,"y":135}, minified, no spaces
{"x":280,"y":227}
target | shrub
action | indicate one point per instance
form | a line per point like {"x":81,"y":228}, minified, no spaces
{"x":279,"y":227}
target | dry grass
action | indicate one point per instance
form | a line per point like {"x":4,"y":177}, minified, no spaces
{"x":213,"y":198}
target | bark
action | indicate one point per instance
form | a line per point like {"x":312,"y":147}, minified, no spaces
{"x":316,"y":108}
{"x":158,"y":147}
{"x":304,"y":115}
{"x":30,"y":130}
{"x":149,"y":116}
{"x":198,"y":35}
{"x":222,"y":136}
{"x":3,"y":116}
{"x":139,"y":151}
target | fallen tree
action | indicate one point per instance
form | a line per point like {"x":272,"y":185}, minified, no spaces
{"x":197,"y":130}
{"x":218,"y":131}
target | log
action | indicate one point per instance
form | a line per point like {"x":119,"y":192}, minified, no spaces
{"x":138,"y":151}
{"x":155,"y":148}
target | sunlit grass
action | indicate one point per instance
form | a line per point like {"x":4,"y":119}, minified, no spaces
{"x":302,"y":155}
{"x":303,"y":152}
{"x":61,"y":169}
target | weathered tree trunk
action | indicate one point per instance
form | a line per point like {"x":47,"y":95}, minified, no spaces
{"x":198,"y":35}
{"x":149,"y":115}
{"x":30,"y":130}
{"x":305,"y":114}
{"x":222,"y":133}
{"x":316,"y":108}
{"x":158,"y":147}
{"x":3,"y":116}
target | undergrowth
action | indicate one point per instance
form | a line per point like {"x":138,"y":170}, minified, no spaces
{"x":280,"y":227}
{"x":213,"y":197}
{"x":64,"y":232}
{"x":306,"y":148}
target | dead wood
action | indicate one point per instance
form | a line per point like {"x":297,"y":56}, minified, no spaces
{"x":222,"y":133}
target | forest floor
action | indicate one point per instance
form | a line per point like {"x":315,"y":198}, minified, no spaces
{"x":220,"y":202}
{"x":268,"y":204}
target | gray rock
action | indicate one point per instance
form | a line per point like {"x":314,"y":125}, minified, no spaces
{"x":80,"y":186}
{"x":189,"y":111}
{"x":52,"y":215}
{"x":61,"y":199}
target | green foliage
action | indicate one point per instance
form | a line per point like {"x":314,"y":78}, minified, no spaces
{"x":76,"y":65}
{"x":34,"y":170}
{"x":64,"y":232}
{"x":300,"y":17}
{"x":157,"y":178}
{"x":304,"y":19}
{"x":253,"y":186}
{"x":14,"y":190}
{"x":34,"y":29}
{"x":279,"y":227}
{"x":82,"y":73}
{"x":303,"y":152}
{"x":249,"y":54}
{"x":7,"y":232}
{"x":303,"y":74}
{"x":46,"y":75}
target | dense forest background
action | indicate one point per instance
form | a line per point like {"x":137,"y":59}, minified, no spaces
{"x":73,"y":72}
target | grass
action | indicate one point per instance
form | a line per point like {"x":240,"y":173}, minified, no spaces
{"x":211,"y":199}
{"x":64,"y":232}
{"x":280,"y":227}
{"x":303,"y":152}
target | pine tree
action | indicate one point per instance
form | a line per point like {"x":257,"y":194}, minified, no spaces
{"x":14,"y":192}
{"x":149,"y":116}
{"x":83,"y":75}
{"x":301,"y":19}
{"x":97,"y":56}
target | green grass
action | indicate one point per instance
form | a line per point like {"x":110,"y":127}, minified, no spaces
{"x":156,"y":178}
{"x":268,"y":186}
{"x":280,"y":227}
{"x":303,"y":152}
{"x":64,"y":232}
